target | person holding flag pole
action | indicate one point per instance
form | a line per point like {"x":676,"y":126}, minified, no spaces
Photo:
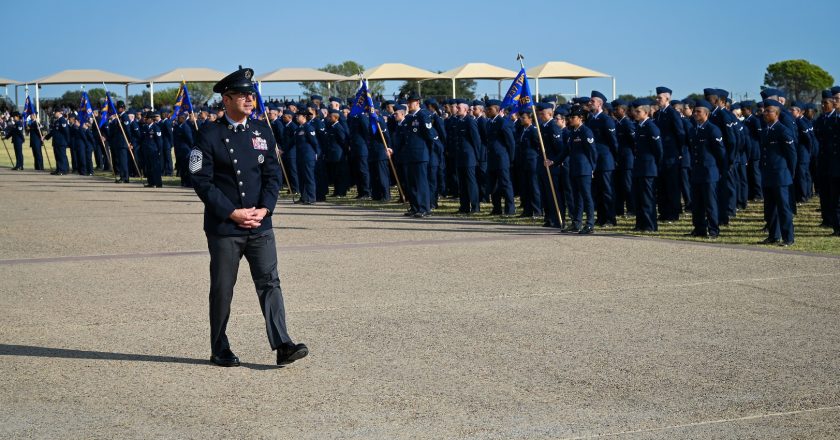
{"x":29,"y":112}
{"x":519,"y":97}
{"x":119,"y":144}
{"x":363,"y":103}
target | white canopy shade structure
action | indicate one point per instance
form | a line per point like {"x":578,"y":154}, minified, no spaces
{"x":392,"y":71}
{"x":564,"y":70}
{"x":300,"y":74}
{"x":9,"y":82}
{"x":189,"y":74}
{"x":83,"y":76}
{"x":478,"y":71}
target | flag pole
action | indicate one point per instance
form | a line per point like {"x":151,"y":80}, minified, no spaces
{"x":130,"y":147}
{"x":11,"y":161}
{"x":391,"y":162}
{"x":520,"y":58}
{"x":40,"y":134}
{"x":403,"y":195}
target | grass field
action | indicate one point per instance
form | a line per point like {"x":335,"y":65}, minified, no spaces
{"x":745,"y":229}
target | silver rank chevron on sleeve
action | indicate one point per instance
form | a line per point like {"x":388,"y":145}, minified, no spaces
{"x":195,"y":160}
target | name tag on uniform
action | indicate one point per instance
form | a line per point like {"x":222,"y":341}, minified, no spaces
{"x":259,"y":143}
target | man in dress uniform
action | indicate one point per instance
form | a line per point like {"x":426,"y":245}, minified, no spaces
{"x":182,"y":137}
{"x":119,"y":147}
{"x":648,"y":154}
{"x":672,"y":130}
{"x":151,"y":143}
{"x":308,"y":150}
{"x":335,"y":154}
{"x":778,"y":165}
{"x":824,"y":134}
{"x":500,"y":150}
{"x":437,"y":164}
{"x":552,"y":141}
{"x":725,"y":121}
{"x":580,"y":148}
{"x":603,"y":129}
{"x":623,"y":179}
{"x":360,"y":138}
{"x":706,"y":152}
{"x":469,"y":146}
{"x":236,"y":174}
{"x":60,"y":134}
{"x":752,"y":131}
{"x":832,"y":167}
{"x":165,"y":125}
{"x":806,"y":146}
{"x":36,"y":143}
{"x":417,"y":138}
{"x":15,"y":132}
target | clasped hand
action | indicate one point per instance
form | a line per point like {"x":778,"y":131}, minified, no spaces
{"x":248,"y":218}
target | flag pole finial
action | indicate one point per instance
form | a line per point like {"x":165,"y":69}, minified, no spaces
{"x":521,"y":59}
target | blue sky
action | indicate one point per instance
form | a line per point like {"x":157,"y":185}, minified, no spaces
{"x":684,"y":45}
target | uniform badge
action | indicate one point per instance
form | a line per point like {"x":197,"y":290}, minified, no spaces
{"x":256,"y":133}
{"x":195,"y":160}
{"x":428,"y":125}
{"x":260,"y":158}
{"x":590,"y":140}
{"x":259,"y":143}
{"x":312,"y":133}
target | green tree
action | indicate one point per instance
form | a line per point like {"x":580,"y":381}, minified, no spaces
{"x":343,"y":89}
{"x":199,"y":94}
{"x":72,"y":98}
{"x":802,"y":80}
{"x":441,"y":88}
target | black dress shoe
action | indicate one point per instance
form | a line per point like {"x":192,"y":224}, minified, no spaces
{"x":769,"y":240}
{"x":586,"y":230}
{"x":409,"y":213}
{"x":225,"y":359}
{"x":786,"y":243}
{"x":571,"y":230}
{"x":291,"y":352}
{"x":421,"y":215}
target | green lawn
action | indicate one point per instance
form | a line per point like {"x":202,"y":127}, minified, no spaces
{"x":745,"y":229}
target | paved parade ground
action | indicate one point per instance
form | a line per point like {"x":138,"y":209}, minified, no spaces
{"x":434,"y":328}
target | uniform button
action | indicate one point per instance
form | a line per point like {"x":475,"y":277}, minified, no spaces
{"x":231,"y":151}
{"x":240,"y":183}
{"x":238,"y":172}
{"x":243,"y":194}
{"x":234,"y":161}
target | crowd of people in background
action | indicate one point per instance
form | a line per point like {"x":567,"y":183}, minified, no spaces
{"x":577,"y":165}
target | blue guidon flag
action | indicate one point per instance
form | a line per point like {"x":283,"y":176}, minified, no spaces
{"x":363,"y":103}
{"x":28,"y":109}
{"x":182,"y":102}
{"x":108,"y":109}
{"x":85,"y":110}
{"x":518,"y":96}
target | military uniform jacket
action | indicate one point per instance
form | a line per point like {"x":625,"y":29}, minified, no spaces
{"x":625,"y":132}
{"x":87,"y":137}
{"x":603,"y":130}
{"x":376,"y":151}
{"x":287,"y":141}
{"x":752,"y":129}
{"x":165,"y":126}
{"x":114,"y":134}
{"x":468,"y":140}
{"x":360,"y":135}
{"x":685,"y":157}
{"x":807,"y":140}
{"x":672,"y":131}
{"x":501,"y":145}
{"x":233,"y":168}
{"x":59,"y":132}
{"x":151,"y":139}
{"x":725,"y":121}
{"x":778,"y":156}
{"x":528,"y":144}
{"x":832,"y":155}
{"x":648,"y":151}
{"x":417,"y":138}
{"x":438,"y":140}
{"x":706,"y":150}
{"x":553,"y":142}
{"x":34,"y":136}
{"x":307,"y":147}
{"x":581,"y":150}
{"x":182,"y":136}
{"x":15,"y":131}
{"x":336,"y":139}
